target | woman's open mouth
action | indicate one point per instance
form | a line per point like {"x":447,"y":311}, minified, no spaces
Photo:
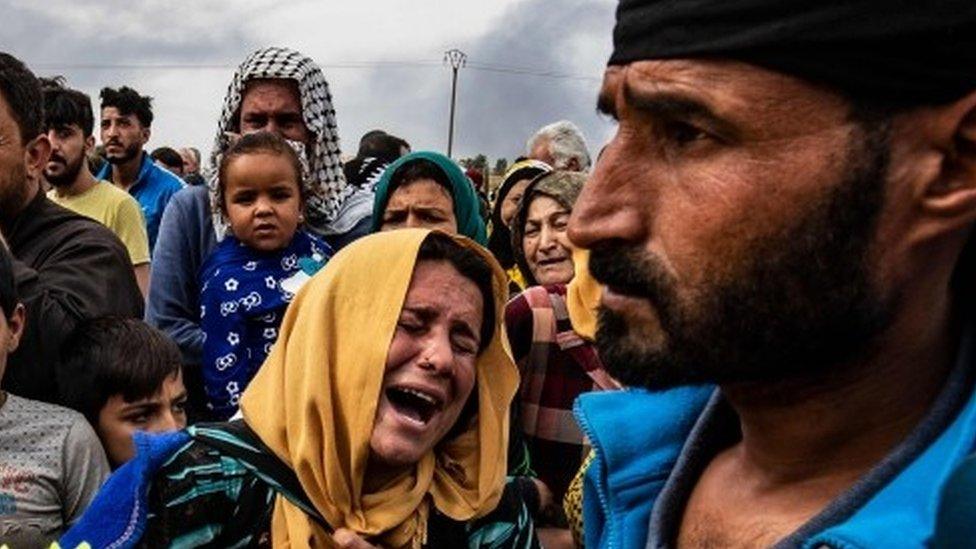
{"x":414,"y":404}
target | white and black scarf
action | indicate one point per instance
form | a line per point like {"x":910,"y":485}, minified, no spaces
{"x":326,"y":187}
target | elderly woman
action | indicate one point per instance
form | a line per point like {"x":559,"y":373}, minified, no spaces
{"x":507,"y":199}
{"x":380,"y":417}
{"x":556,"y":362}
{"x":428,"y":190}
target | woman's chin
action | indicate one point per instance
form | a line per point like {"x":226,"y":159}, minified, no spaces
{"x":396,"y":453}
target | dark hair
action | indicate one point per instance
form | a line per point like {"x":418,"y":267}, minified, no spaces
{"x":128,"y":101}
{"x":253,"y":143}
{"x":418,"y":169}
{"x":108,"y":356}
{"x":64,"y":106}
{"x":167,"y":156}
{"x":22,"y":92}
{"x":440,"y":247}
{"x":8,"y":287}
{"x":381,"y":145}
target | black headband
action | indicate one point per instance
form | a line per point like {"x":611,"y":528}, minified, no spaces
{"x":900,"y":52}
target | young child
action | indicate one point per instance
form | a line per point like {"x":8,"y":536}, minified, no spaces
{"x":248,"y":281}
{"x":125,"y":377}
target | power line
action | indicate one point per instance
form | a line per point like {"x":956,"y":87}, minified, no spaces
{"x":485,"y":67}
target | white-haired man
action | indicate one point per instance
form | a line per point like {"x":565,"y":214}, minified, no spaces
{"x":561,"y":145}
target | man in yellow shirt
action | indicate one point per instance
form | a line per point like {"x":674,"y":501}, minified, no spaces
{"x":70,"y":122}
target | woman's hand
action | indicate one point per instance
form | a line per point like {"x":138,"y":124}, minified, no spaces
{"x":347,"y":539}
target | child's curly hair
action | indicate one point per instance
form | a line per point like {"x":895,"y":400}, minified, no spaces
{"x":252,"y":143}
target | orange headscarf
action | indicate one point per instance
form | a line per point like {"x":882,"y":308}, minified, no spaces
{"x":314,"y":403}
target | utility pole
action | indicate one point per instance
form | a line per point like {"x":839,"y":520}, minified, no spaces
{"x":456,"y":58}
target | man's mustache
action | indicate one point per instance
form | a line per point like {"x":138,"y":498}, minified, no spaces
{"x":625,"y":270}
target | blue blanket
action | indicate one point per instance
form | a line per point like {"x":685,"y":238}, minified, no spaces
{"x":117,"y":516}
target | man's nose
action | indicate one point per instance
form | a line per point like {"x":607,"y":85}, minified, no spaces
{"x":55,"y":142}
{"x":610,"y":204}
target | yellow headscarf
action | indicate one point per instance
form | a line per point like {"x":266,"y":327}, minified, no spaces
{"x":314,"y":401}
{"x":583,"y":296}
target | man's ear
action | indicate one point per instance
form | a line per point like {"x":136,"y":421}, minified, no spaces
{"x":951,"y":195}
{"x":36,"y":154}
{"x":89,"y":144}
{"x":16,"y":324}
{"x":146,"y":133}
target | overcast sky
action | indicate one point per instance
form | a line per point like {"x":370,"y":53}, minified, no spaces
{"x":531,"y":62}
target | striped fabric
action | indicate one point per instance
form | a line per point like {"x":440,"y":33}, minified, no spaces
{"x":216,"y":492}
{"x":556,"y":366}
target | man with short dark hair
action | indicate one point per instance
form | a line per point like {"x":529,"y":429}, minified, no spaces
{"x":169,"y":159}
{"x":67,"y":267}
{"x":377,"y":150}
{"x":782,"y":226}
{"x":126,"y":124}
{"x":70,"y":122}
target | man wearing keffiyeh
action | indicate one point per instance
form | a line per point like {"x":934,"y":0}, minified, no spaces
{"x":782,"y":227}
{"x":278,"y":90}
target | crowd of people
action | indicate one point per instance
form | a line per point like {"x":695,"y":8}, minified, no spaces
{"x":747,"y":325}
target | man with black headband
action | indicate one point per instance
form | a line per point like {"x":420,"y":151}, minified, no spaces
{"x":781,"y":226}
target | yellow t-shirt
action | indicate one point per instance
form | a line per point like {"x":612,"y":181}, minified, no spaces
{"x":117,"y":210}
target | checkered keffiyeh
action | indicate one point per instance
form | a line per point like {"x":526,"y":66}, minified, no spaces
{"x":326,"y":186}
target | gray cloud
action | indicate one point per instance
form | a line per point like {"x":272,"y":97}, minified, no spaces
{"x":498,"y":111}
{"x":102,"y":43}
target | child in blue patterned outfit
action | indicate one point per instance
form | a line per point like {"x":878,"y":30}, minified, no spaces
{"x":248,"y":281}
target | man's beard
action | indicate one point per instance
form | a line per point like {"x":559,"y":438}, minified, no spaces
{"x":70,"y":173}
{"x":13,"y":193}
{"x":128,"y":153}
{"x":799,"y":304}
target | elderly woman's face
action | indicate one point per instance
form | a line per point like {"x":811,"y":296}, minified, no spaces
{"x":422,"y":204}
{"x":545,"y":244}
{"x":430,"y":368}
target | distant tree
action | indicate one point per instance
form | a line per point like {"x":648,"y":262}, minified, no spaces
{"x":501,"y":165}
{"x":480,"y":163}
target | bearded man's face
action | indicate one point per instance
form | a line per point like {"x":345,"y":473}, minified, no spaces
{"x":735,"y":238}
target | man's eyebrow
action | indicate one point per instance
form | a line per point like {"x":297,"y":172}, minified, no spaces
{"x":672,"y":105}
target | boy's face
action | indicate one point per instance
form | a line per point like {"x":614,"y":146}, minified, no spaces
{"x":118,"y":419}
